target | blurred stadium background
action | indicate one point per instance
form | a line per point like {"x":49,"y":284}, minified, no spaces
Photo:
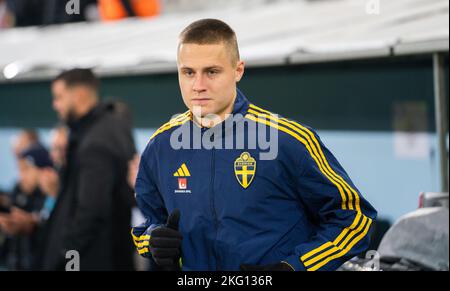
{"x":364,"y":73}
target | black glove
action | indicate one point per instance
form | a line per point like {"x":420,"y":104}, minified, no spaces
{"x":281,"y":266}
{"x":165,"y":243}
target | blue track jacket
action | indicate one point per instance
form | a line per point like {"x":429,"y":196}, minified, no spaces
{"x":236,"y":208}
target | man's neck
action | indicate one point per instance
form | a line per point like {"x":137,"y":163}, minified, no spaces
{"x":85,"y":108}
{"x":213,"y":120}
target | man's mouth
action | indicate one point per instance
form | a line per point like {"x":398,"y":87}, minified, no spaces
{"x":200,"y":101}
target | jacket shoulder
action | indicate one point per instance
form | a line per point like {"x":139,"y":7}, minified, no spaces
{"x":157,"y":141}
{"x":171,"y":125}
{"x":292,"y":128}
{"x":111,"y":134}
{"x":292,"y":135}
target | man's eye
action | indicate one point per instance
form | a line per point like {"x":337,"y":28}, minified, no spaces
{"x":212,"y":73}
{"x":189,"y":73}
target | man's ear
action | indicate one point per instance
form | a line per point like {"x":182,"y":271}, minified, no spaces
{"x":240,"y":70}
{"x":82,"y":93}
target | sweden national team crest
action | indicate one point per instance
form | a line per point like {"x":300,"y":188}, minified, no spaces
{"x":244,"y":169}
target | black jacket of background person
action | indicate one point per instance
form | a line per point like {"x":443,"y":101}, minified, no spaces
{"x":92,"y":214}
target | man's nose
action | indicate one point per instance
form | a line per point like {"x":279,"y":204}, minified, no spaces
{"x":199,"y":83}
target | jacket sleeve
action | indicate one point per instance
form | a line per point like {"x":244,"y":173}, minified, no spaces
{"x":342,"y":217}
{"x":97,"y":177}
{"x":149,"y":201}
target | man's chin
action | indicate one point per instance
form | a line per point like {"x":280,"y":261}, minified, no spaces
{"x":63,"y":118}
{"x":201,"y":111}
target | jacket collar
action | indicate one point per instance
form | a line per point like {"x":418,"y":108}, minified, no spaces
{"x":240,"y":109}
{"x":241,"y":104}
{"x":82,"y":122}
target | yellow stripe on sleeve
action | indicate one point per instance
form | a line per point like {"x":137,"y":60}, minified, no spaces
{"x":345,"y":251}
{"x":143,"y":251}
{"x":179,"y":120}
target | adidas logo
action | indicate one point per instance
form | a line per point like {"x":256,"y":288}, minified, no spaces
{"x":182,"y":171}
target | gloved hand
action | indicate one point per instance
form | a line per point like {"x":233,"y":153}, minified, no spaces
{"x":165,"y":243}
{"x":281,"y":266}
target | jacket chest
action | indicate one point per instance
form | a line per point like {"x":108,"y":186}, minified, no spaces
{"x":222,"y":175}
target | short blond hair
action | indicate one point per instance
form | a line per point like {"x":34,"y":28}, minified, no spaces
{"x":211,"y":31}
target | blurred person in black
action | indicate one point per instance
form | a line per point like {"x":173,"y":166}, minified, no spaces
{"x":26,"y":12}
{"x":25,"y":194}
{"x":24,"y":140}
{"x":58,"y":146}
{"x":38,"y":170}
{"x":46,"y":12}
{"x":93,"y":209}
{"x":22,"y":198}
{"x":21,"y":221}
{"x":49,"y":179}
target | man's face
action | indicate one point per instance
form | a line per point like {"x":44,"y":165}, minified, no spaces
{"x":58,"y":147}
{"x":28,"y":176}
{"x":21,"y":143}
{"x":63,"y":100}
{"x":208,"y":77}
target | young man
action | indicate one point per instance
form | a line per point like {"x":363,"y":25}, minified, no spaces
{"x":226,"y":207}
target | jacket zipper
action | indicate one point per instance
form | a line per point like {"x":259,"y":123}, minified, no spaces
{"x":213,"y":207}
